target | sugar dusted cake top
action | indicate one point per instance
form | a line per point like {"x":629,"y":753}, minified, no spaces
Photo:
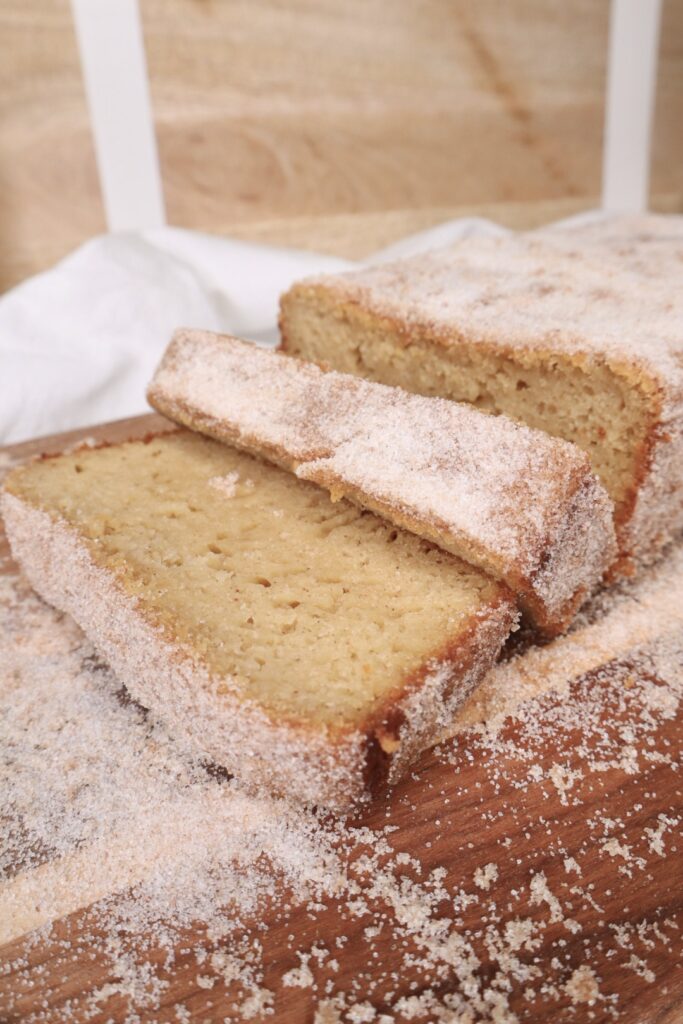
{"x":612,"y":289}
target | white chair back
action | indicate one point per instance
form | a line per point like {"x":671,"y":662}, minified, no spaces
{"x":117,"y":88}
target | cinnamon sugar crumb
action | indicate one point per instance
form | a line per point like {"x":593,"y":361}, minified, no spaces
{"x":227,"y":484}
{"x":483,"y":877}
{"x":583,"y":987}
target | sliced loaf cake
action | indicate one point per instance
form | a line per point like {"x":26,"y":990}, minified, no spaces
{"x":576,"y":332}
{"x":522,"y":506}
{"x":306,"y":646}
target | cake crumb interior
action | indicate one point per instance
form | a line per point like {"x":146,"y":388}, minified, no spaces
{"x":315,"y":608}
{"x":603,"y":414}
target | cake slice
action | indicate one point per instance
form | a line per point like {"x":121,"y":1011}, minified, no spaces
{"x":522,"y":506}
{"x":577,"y":332}
{"x":308,"y":647}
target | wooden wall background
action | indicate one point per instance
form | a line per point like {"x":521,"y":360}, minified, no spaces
{"x":330,"y":125}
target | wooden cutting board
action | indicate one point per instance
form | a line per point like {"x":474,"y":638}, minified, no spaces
{"x":605,"y":906}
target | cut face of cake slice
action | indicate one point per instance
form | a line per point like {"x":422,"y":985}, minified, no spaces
{"x":524,"y":507}
{"x":306,"y":646}
{"x":578,"y":333}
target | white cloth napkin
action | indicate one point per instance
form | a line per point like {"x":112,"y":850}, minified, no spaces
{"x":79,"y":343}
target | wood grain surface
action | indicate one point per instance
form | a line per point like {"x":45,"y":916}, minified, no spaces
{"x":465,"y":806}
{"x":334,"y":127}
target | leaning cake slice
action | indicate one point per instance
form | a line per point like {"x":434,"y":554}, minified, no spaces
{"x":524,"y":507}
{"x":308,"y":647}
{"x":576,"y":332}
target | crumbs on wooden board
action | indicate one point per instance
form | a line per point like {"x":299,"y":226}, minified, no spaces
{"x":188,"y":880}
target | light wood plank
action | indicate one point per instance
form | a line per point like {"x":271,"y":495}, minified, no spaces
{"x":269,"y":112}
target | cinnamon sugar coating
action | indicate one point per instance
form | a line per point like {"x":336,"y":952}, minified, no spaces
{"x":212,"y":653}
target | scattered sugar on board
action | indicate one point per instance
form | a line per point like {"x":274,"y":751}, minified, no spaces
{"x":191,"y":884}
{"x":582,"y":987}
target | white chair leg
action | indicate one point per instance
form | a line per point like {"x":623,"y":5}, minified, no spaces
{"x":115,"y":73}
{"x":631,"y":83}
